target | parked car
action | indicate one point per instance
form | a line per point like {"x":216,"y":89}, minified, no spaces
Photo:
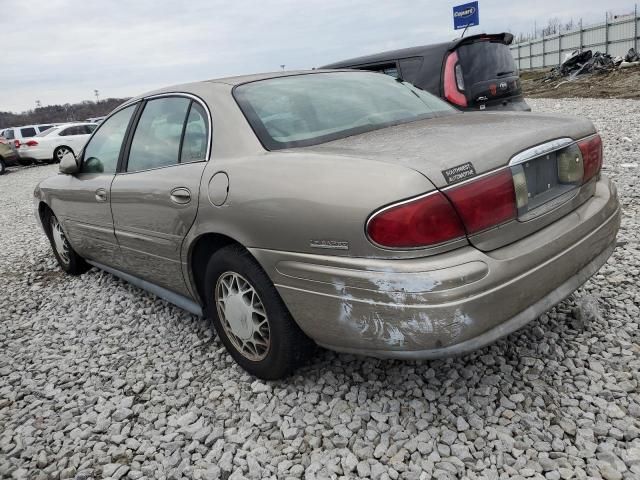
{"x":95,"y":119}
{"x":7,"y":155}
{"x":471,"y":73}
{"x":18,"y":135}
{"x":342,"y":208}
{"x":52,"y":144}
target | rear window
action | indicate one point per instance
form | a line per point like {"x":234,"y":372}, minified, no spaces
{"x":305,"y":110}
{"x":28,"y":132}
{"x":486,"y":61}
{"x":8,"y":134}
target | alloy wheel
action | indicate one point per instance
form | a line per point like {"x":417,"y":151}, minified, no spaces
{"x":60,"y":241}
{"x":61,"y":152}
{"x":243,"y":316}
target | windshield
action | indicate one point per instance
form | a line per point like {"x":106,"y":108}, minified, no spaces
{"x":305,"y":110}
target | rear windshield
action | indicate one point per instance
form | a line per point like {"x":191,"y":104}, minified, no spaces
{"x":486,"y":61}
{"x":305,"y":110}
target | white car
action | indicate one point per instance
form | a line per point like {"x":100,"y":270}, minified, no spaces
{"x":52,"y":144}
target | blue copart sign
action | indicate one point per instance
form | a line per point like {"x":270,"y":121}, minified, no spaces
{"x":466,"y":15}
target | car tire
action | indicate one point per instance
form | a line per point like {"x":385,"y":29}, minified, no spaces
{"x":59,"y":152}
{"x":3,"y":166}
{"x":67,"y":258}
{"x":250,"y":318}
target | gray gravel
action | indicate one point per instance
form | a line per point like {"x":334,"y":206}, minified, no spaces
{"x":99,"y":379}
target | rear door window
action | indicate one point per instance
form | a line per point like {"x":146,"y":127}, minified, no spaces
{"x":28,"y":132}
{"x":156,"y":141}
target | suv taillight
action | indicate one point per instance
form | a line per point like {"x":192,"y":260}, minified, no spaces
{"x":16,"y":142}
{"x":591,"y":149}
{"x":31,"y":143}
{"x":421,"y":222}
{"x":453,"y":80}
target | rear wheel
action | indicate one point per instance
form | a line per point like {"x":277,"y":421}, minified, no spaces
{"x":66,"y":256}
{"x":3,"y":166}
{"x":251,"y":318}
{"x":60,"y":152}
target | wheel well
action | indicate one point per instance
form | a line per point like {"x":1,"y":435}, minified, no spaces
{"x":201,"y":252}
{"x":43,"y":212}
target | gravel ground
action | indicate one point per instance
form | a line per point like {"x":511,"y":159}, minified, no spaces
{"x":99,"y":379}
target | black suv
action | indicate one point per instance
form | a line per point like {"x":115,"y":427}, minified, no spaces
{"x":471,"y":73}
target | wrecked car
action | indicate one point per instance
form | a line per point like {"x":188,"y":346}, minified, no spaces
{"x":340,"y":208}
{"x":471,"y":73}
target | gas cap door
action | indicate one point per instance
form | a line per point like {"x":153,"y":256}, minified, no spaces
{"x":218,"y":189}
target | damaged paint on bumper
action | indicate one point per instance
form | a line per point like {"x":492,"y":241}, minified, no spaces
{"x":449,"y":303}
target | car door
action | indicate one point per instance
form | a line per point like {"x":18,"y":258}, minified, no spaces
{"x":154,"y":198}
{"x":82,"y":202}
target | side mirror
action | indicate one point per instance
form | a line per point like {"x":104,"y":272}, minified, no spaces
{"x":68,"y":164}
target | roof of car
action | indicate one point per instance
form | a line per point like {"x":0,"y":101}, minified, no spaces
{"x":421,"y":50}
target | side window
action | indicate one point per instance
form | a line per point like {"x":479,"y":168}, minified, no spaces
{"x":66,"y":132}
{"x":410,"y":68}
{"x":387,"y":68}
{"x":102,"y":152}
{"x":194,"y":144}
{"x":88,"y":129}
{"x":8,"y":134}
{"x":28,"y":132}
{"x":156,"y":141}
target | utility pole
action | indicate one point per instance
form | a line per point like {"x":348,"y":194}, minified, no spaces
{"x":282,"y":67}
{"x":97,"y":94}
{"x":38,"y":104}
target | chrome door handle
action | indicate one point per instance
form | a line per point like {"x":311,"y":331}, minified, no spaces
{"x":180,"y":195}
{"x":101,"y":195}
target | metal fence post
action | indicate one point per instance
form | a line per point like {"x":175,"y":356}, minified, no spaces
{"x":606,"y":32}
{"x":635,"y":27}
{"x":559,"y":50}
{"x":580,"y":46}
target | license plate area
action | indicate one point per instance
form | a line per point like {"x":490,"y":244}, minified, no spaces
{"x":545,"y":191}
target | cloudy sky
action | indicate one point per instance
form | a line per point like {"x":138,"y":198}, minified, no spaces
{"x":59,"y":51}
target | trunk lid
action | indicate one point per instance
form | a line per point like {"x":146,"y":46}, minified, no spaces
{"x":449,"y":150}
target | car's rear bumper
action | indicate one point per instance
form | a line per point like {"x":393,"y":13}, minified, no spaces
{"x":35,"y":154}
{"x":449,"y":303}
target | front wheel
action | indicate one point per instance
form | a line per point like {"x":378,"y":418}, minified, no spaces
{"x":67,"y":258}
{"x":251,"y":319}
{"x":60,"y":152}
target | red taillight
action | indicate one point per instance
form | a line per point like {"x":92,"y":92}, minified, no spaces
{"x":486,"y":202}
{"x":16,"y":143}
{"x":591,"y":150}
{"x":31,"y":143}
{"x":451,"y":91}
{"x":425,"y":221}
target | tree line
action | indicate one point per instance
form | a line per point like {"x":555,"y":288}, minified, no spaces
{"x":68,"y":112}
